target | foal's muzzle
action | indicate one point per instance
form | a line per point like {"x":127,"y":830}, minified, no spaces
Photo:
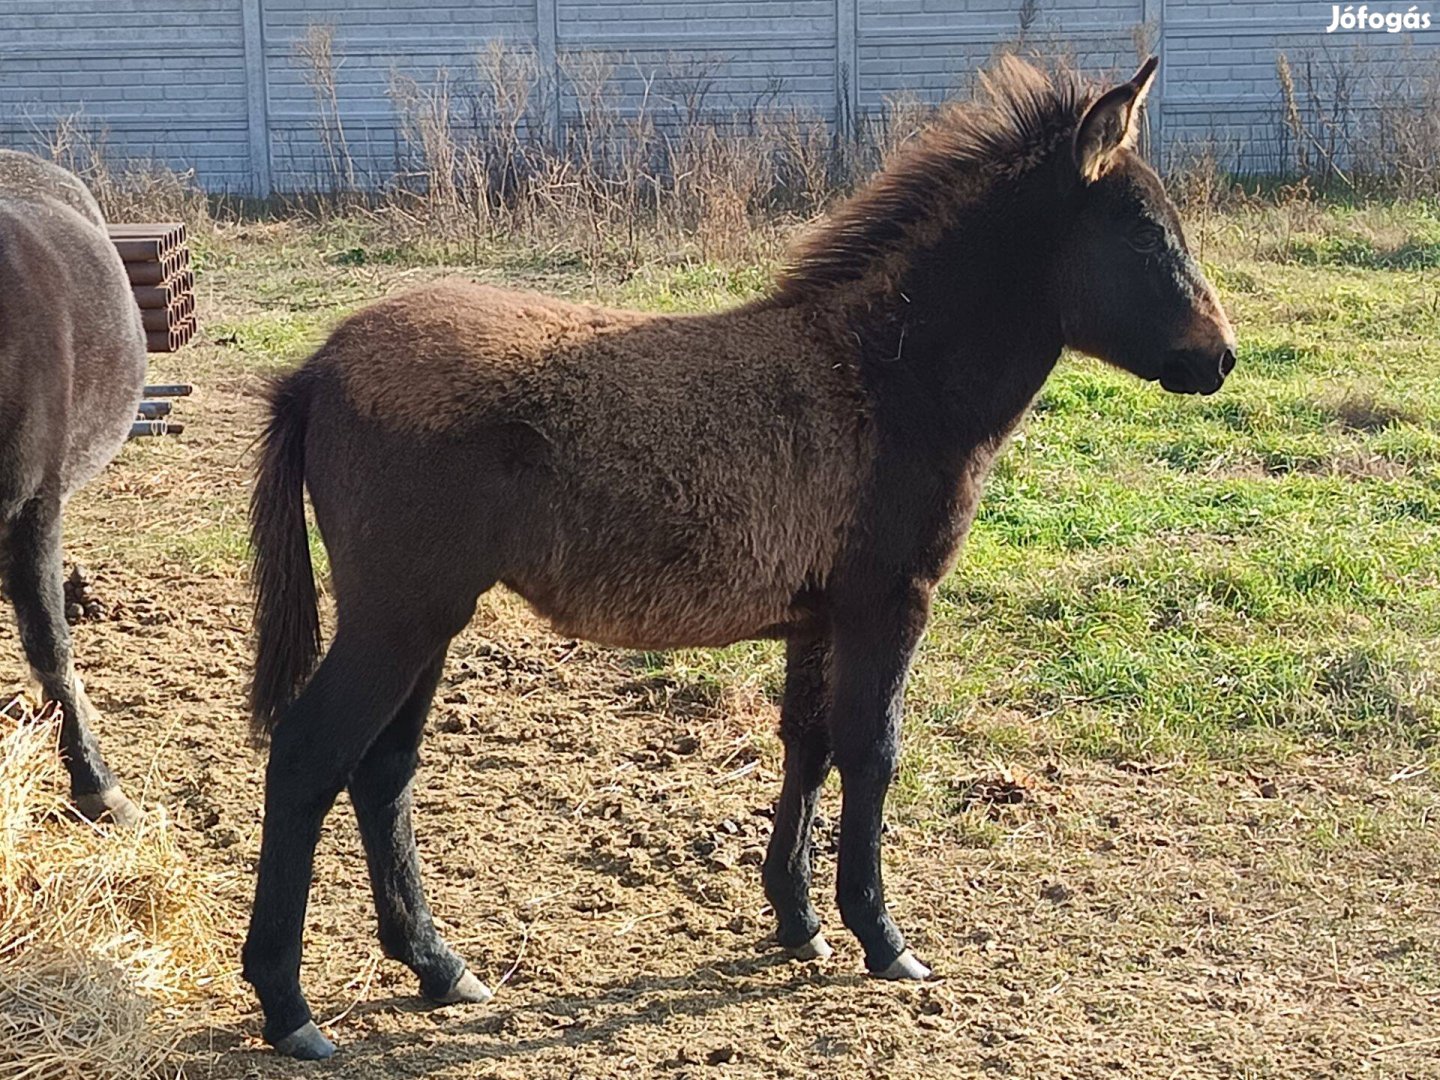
{"x":1195,"y":371}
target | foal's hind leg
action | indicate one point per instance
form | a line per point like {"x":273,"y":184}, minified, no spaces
{"x":804,"y":731}
{"x":381,"y":793}
{"x":35,"y":582}
{"x":365,"y":678}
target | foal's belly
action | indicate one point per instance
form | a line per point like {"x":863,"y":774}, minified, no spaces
{"x":664,"y":607}
{"x":656,"y":636}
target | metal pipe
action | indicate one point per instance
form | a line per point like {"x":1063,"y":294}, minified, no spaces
{"x":166,"y":293}
{"x":172,"y":233}
{"x":153,"y":296}
{"x":154,"y":319}
{"x":183,"y":389}
{"x":142,"y":241}
{"x":156,"y":271}
{"x":177,"y":337}
{"x":164,"y":318}
{"x":147,"y":273}
{"x":142,"y":248}
{"x":145,"y":228}
{"x":144,"y":428}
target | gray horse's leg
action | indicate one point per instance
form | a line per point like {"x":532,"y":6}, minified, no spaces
{"x":805,"y":733}
{"x":380,"y":791}
{"x":34,"y":580}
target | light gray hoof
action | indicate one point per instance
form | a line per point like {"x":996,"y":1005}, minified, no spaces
{"x":817,"y":948}
{"x":306,"y":1043}
{"x":112,"y":804}
{"x":905,"y":967}
{"x":468,"y":990}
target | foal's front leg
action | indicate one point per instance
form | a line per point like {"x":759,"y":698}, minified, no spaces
{"x":804,"y":729}
{"x":872,"y":652}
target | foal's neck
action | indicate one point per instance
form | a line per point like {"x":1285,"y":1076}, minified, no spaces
{"x":966,"y":332}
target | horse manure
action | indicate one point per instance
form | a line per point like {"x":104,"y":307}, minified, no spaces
{"x":1057,"y":893}
{"x":685,"y":745}
{"x":81,"y":602}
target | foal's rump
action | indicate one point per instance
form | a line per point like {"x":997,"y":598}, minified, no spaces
{"x":642,"y":480}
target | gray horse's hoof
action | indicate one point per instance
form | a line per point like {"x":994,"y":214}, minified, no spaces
{"x":905,"y":967}
{"x":306,"y":1043}
{"x":817,"y":948}
{"x":468,"y":990}
{"x":109,"y":805}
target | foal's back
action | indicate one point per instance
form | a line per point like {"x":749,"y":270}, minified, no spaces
{"x":72,"y":351}
{"x":627,"y":466}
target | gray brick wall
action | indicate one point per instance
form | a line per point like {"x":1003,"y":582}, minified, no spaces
{"x":162,"y":84}
{"x":215,"y":85}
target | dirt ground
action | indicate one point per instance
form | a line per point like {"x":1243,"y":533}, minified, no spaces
{"x":592,"y":834}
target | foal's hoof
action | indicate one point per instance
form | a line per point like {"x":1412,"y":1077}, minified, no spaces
{"x":468,"y":990}
{"x":112,"y":804}
{"x":817,"y":948}
{"x":306,"y":1043}
{"x":905,"y":967}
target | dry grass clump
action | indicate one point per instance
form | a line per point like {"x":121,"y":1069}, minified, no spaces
{"x":481,"y":155}
{"x":127,"y":188}
{"x":64,"y":1014}
{"x":103,"y":931}
{"x":1376,"y":133}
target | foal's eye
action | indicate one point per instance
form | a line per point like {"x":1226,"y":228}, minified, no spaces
{"x":1147,"y":239}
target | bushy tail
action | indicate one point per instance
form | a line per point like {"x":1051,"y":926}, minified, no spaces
{"x":287,"y":621}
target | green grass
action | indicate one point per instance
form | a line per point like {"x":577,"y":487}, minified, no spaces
{"x":1242,"y":577}
{"x":279,"y":339}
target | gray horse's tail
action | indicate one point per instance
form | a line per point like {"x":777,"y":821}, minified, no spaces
{"x":287,"y":621}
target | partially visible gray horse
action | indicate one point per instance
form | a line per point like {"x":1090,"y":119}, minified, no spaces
{"x":72,"y":366}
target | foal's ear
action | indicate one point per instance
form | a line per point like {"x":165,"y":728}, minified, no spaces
{"x":1112,"y":123}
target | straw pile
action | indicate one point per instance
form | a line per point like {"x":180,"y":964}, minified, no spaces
{"x":103,"y":932}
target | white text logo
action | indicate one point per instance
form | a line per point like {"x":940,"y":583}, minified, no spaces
{"x":1362,"y":18}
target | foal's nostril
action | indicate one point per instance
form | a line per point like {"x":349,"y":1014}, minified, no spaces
{"x":1227,"y":362}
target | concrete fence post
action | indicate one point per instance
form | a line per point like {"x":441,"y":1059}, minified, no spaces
{"x":547,"y":49}
{"x":1153,"y":15}
{"x":257,"y":97}
{"x":847,"y":78}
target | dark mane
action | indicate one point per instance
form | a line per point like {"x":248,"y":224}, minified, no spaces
{"x":1017,"y":118}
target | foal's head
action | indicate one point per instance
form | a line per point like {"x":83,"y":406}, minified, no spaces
{"x":1127,"y":288}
